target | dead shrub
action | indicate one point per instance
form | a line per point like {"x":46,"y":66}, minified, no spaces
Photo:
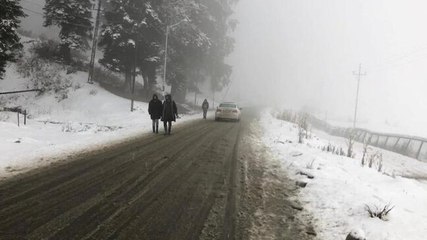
{"x":379,"y":212}
{"x":350,"y":143}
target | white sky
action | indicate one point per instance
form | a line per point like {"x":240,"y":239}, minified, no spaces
{"x":303,"y":52}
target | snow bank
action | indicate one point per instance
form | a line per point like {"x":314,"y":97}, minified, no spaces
{"x":341,"y":188}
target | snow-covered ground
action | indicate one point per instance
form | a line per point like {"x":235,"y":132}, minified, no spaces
{"x":341,"y":189}
{"x":88,"y":118}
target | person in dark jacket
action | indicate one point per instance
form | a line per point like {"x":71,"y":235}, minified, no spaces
{"x":155,"y":109}
{"x":205,"y":107}
{"x":170,"y":113}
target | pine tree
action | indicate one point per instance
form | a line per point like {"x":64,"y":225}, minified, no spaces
{"x":201,"y":46}
{"x":10,"y":12}
{"x":187,"y":46}
{"x":74,"y":20}
{"x":129,"y":37}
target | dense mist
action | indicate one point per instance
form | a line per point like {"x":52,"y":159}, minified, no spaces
{"x":302,"y":54}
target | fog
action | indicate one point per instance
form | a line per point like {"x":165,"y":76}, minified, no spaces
{"x":302,"y":54}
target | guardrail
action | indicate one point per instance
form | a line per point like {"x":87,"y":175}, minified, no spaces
{"x":20,"y":91}
{"x":411,"y":146}
{"x":18,"y":110}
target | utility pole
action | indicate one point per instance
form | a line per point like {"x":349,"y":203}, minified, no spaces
{"x":197,"y":89}
{"x":168,"y":28}
{"x":94,"y":44}
{"x":134,"y":77}
{"x":359,"y":75}
{"x":213,"y":101}
{"x":166,"y":60}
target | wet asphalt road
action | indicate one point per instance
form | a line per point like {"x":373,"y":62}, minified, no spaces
{"x":190,"y":185}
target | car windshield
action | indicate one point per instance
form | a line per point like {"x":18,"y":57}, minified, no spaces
{"x":227,"y":105}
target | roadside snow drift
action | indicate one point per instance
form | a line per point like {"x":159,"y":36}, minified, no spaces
{"x":341,"y":189}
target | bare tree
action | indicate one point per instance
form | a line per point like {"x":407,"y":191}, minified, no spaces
{"x":350,"y":143}
{"x":365,"y":152}
{"x":302,"y":127}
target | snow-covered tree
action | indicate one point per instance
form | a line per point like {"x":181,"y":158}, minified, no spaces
{"x":135,"y":32}
{"x":10,"y":12}
{"x":201,"y":46}
{"x":129,"y":37}
{"x":73,"y":17}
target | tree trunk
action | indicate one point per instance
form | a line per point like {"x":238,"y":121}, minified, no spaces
{"x":128,"y":80}
{"x":147,"y":88}
{"x":66,"y":53}
{"x":178,"y":92}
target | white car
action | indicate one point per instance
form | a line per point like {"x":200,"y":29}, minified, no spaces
{"x":227,"y":111}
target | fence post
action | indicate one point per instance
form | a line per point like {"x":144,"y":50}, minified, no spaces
{"x":395,"y":145}
{"x":365,"y":134}
{"x":419,"y":150}
{"x":385,"y":143}
{"x":407,"y":145}
{"x":25,"y":117}
{"x":18,"y":118}
{"x":369,"y":138}
{"x":378,"y":139}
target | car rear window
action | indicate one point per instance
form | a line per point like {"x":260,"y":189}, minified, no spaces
{"x":227,"y":105}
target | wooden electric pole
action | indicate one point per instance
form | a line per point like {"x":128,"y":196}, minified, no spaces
{"x":94,"y":44}
{"x":359,"y":75}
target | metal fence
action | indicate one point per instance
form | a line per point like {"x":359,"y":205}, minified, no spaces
{"x":411,"y":146}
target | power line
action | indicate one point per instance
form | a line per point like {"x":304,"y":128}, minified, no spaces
{"x":33,"y":11}
{"x":73,"y":24}
{"x":38,"y":4}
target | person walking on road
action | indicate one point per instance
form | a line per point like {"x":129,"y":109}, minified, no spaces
{"x":205,"y":107}
{"x":155,"y":109}
{"x":170,"y":113}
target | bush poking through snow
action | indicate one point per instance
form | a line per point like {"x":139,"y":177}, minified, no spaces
{"x":377,"y":212}
{"x":334,"y":150}
{"x":373,"y":160}
{"x":376,"y":160}
{"x":47,"y":50}
{"x":302,"y":127}
{"x":350,"y":143}
{"x":288,"y":116}
{"x":301,"y":119}
{"x":365,"y":152}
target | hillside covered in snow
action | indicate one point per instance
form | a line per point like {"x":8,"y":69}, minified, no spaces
{"x":70,"y":115}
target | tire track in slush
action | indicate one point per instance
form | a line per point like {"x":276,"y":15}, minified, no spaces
{"x":120,"y":191}
{"x":22,"y":222}
{"x":112,"y":205}
{"x":36,"y":182}
{"x":151,"y":188}
{"x":160,"y":215}
{"x":145,"y":203}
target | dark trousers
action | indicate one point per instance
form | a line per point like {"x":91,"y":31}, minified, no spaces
{"x":155,"y":125}
{"x":168,"y":126}
{"x":205,"y":112}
